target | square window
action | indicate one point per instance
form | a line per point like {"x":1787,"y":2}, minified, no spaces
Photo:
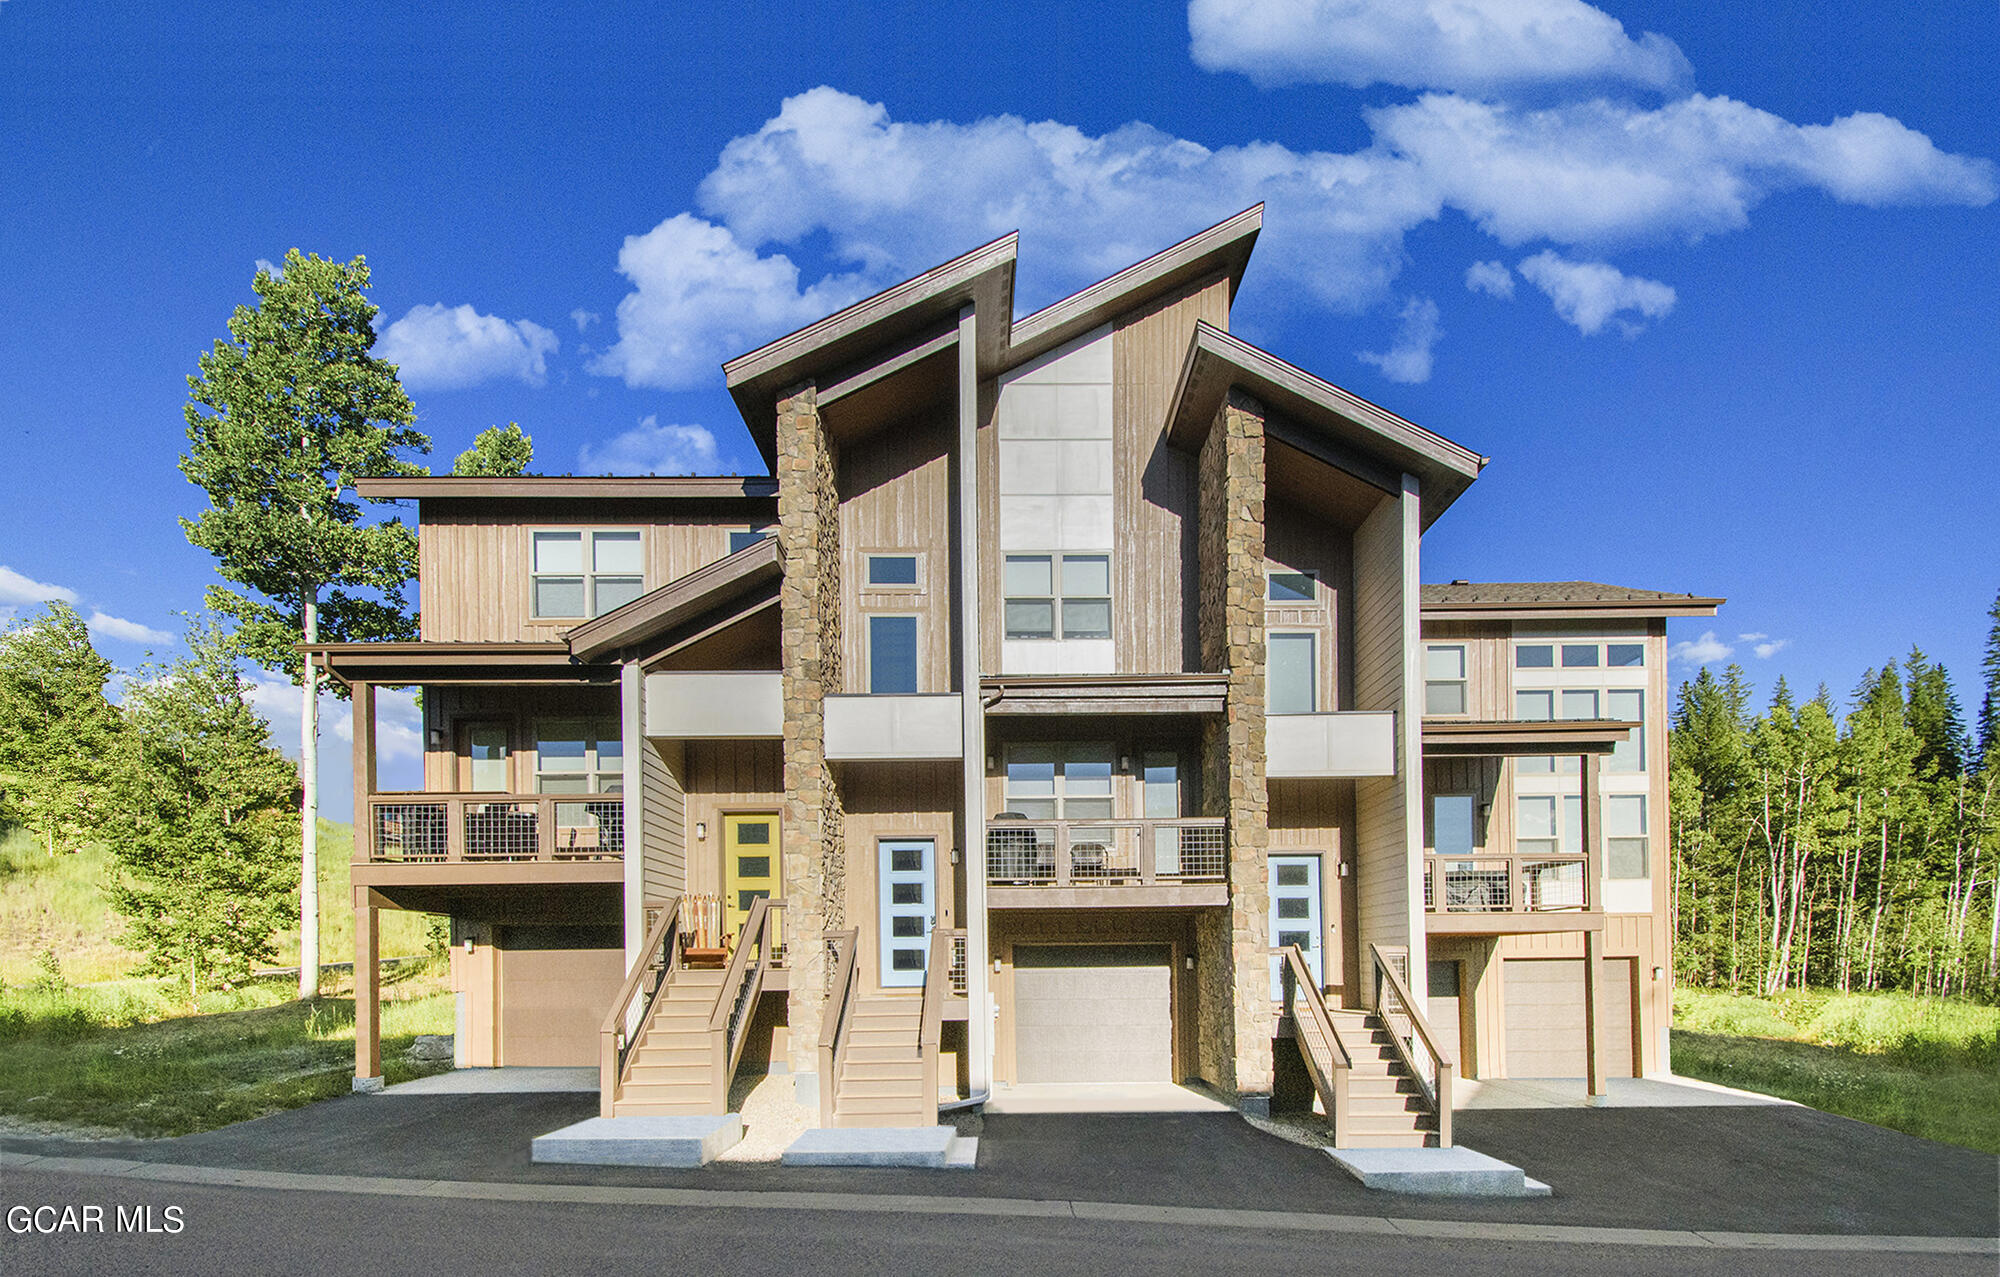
{"x":1303,"y":939}
{"x":1294,"y":907}
{"x":1028,"y":575}
{"x":1625,"y":815}
{"x":1534,"y":707}
{"x":745,"y":899}
{"x":906,"y":893}
{"x":906,"y":959}
{"x":1293,"y":587}
{"x":559,"y":552}
{"x":1294,"y":876}
{"x":1534,"y":656}
{"x":1030,"y":618}
{"x":617,"y":553}
{"x":906,"y":928}
{"x":1444,"y":663}
{"x":1578,"y":704}
{"x":892,"y":569}
{"x":1444,"y":698}
{"x":559,"y":596}
{"x":1626,"y":858}
{"x":1579,"y":656}
{"x":1624,"y":655}
{"x":1086,"y":618}
{"x":614,"y":592}
{"x":1443,"y":980}
{"x":753,"y":866}
{"x":906,"y":860}
{"x":1086,"y":575}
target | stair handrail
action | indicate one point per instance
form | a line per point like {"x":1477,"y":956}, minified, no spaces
{"x":1433,"y":1084}
{"x":832,"y":1039}
{"x":937,"y":987}
{"x":1302,"y":993}
{"x":736,"y":996}
{"x":657,"y":954}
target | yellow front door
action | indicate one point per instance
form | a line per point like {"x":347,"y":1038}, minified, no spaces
{"x":750,"y":867}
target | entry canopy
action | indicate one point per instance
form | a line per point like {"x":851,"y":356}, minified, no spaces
{"x":1318,"y":418}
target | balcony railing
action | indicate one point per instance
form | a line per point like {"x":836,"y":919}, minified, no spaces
{"x":1100,"y":853}
{"x":420,"y":828}
{"x":1504,"y":884}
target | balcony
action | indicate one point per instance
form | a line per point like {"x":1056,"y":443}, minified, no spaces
{"x":894,"y":728}
{"x":470,"y":838}
{"x":1350,"y":743}
{"x":1517,"y":893}
{"x":1038,"y":864}
{"x":718,"y":705}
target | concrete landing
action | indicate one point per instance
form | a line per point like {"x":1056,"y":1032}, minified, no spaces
{"x":1102,"y":1097}
{"x":512,"y":1080}
{"x":640,"y":1141}
{"x":935,"y":1147}
{"x":1436,"y":1172}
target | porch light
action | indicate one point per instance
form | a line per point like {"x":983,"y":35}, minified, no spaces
{"x":701,"y":831}
{"x":437,"y":738}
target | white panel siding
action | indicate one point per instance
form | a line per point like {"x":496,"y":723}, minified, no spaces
{"x":894,"y":727}
{"x":717,"y":706}
{"x":1355,"y":743}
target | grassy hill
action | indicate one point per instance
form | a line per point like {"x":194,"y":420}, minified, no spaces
{"x":59,"y":904}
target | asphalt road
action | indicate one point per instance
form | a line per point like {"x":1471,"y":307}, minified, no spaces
{"x":262,"y":1231}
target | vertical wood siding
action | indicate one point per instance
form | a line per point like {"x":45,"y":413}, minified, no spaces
{"x":720,"y":776}
{"x":897,"y":800}
{"x":896,"y":494}
{"x":1298,"y":541}
{"x":1382,"y":833}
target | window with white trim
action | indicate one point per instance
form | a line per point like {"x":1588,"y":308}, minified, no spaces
{"x":1292,"y":672}
{"x":585,"y":572}
{"x":1535,"y":706}
{"x":1050,"y":596}
{"x":1060,"y":782}
{"x":900,"y":573}
{"x":579,"y":756}
{"x":1627,"y":705}
{"x":1625,"y":837}
{"x":1298,"y":588}
{"x":892,"y":654}
{"x":1444,"y":679}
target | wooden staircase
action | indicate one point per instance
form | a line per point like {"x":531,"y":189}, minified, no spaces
{"x":1385,"y":1108}
{"x":672,"y":1065}
{"x":881,"y":1077}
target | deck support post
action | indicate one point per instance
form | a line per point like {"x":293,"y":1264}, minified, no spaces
{"x":367,"y":997}
{"x":1593,"y":941}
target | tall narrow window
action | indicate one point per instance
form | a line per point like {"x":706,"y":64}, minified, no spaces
{"x":1628,"y":706}
{"x":1086,"y":589}
{"x":1031,"y":604}
{"x":892,"y":655}
{"x":1294,"y":673}
{"x":1451,"y":824}
{"x":1625,"y":836}
{"x":1444,"y":679}
{"x":1576,"y":703}
{"x":1534,"y":707}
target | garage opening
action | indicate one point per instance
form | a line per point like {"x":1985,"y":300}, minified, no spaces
{"x":1093,"y":1013}
{"x":1543,"y":1002}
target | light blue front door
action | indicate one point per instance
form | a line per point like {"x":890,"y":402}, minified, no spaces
{"x":907,"y":881}
{"x":1295,"y":916}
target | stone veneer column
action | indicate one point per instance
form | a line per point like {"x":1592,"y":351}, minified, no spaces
{"x":815,"y":879}
{"x":1233,"y":971}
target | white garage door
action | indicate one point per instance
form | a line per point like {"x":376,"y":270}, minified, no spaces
{"x":1544,"y":1010}
{"x":1093,"y":1013}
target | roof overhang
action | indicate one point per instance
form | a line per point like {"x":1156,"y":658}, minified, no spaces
{"x":1223,"y":249}
{"x":1007,"y":694}
{"x":571,"y":488}
{"x":846,"y":340}
{"x":749,"y":575}
{"x":1594,"y":609}
{"x":1318,"y":418}
{"x":442,"y":664}
{"x":1462,"y":738}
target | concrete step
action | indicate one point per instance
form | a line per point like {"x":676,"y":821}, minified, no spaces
{"x":922,"y":1146}
{"x":640,"y":1140}
{"x":1453,"y":1172}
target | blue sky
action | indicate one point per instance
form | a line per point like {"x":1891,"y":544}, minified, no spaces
{"x":1718,"y":296}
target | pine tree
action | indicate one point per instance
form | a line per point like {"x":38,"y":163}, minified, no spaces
{"x":57,"y":731}
{"x":282,"y":418}
{"x":209,"y":857}
{"x":497,"y":453}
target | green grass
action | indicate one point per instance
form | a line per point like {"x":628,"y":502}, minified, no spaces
{"x":1925,"y":1066}
{"x":123,"y":1056}
{"x":59,"y":903}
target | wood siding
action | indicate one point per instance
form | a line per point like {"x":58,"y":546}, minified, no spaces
{"x":663,"y":802}
{"x":448,"y":708}
{"x":897,"y":800}
{"x":1297,"y":541}
{"x":474,"y":565}
{"x":1318,"y":815}
{"x":724,"y":776}
{"x":1384,"y":841}
{"x":896,"y":496}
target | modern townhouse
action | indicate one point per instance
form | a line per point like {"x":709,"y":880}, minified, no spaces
{"x":1064,"y":709}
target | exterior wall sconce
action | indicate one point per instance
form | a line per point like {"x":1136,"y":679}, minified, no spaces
{"x":437,"y":738}
{"x":1189,"y":960}
{"x":1659,"y":973}
{"x":996,"y":966}
{"x":701,"y":831}
{"x":1125,"y":763}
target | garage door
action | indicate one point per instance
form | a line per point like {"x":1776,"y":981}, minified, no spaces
{"x":553,"y":1001}
{"x":1544,"y":1009}
{"x":1093,"y":1013}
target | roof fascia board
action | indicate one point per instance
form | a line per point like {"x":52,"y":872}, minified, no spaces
{"x":926,"y":343}
{"x":1221,"y":249}
{"x":1594,"y":610}
{"x":566,"y":488}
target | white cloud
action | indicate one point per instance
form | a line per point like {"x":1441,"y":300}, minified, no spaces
{"x":104,"y":625}
{"x":16,"y":588}
{"x":702,"y":295}
{"x":1702,"y":651}
{"x":439,"y":347}
{"x":1591,"y":294}
{"x":1409,"y":359}
{"x":1447,"y":44}
{"x":651,"y":448}
{"x":583,"y":319}
{"x":270,"y":268}
{"x":1491,"y":278}
{"x":1770,"y":648}
{"x":398,"y":719}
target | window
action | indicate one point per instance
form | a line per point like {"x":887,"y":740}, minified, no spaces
{"x":1625,"y":836}
{"x":892,"y":571}
{"x":579,"y":756}
{"x":1624,"y":655}
{"x":1444,"y":680}
{"x":1534,"y":707}
{"x":740,"y":541}
{"x":1294,"y":673}
{"x":1452,"y":824}
{"x":1536,"y":831}
{"x":1628,"y":706}
{"x":1579,"y":656}
{"x":1577,"y":703}
{"x":1293,"y":587}
{"x":892,"y":655}
{"x":1060,"y":782}
{"x":1534,"y":656}
{"x":586,"y":573}
{"x":1035,"y":604}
